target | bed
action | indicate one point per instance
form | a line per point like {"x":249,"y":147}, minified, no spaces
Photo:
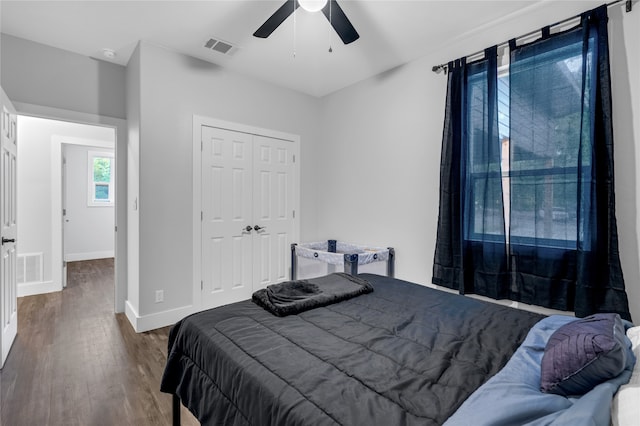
{"x":402,"y":354}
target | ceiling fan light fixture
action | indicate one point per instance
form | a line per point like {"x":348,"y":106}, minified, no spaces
{"x":334,"y":14}
{"x":312,"y":5}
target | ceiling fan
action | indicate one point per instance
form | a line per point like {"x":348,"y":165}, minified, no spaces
{"x":330,"y":8}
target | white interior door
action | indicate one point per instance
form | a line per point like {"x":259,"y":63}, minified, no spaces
{"x":273,"y":161}
{"x":8,"y":225}
{"x":65,"y":220}
{"x":227,"y":226}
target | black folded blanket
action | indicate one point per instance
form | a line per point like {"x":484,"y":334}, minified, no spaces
{"x":292,"y":297}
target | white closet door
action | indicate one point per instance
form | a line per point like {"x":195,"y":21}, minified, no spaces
{"x":248,"y":222}
{"x":227,"y":179}
{"x":8,"y":228}
{"x":272,"y":209}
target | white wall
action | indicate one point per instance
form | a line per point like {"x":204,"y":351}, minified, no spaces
{"x":88,"y":230}
{"x":383,"y":136}
{"x":37,"y":137}
{"x":172,"y":88}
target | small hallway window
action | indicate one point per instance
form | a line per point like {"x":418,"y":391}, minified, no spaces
{"x":101,"y":188}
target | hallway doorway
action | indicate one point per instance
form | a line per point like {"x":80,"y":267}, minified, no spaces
{"x":43,"y":200}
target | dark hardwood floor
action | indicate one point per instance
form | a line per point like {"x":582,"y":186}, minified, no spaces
{"x":75,"y":362}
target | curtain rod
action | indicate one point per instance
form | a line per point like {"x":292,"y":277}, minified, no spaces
{"x":629,"y":7}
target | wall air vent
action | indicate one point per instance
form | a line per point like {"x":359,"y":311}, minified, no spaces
{"x":29,"y":268}
{"x":220,"y":46}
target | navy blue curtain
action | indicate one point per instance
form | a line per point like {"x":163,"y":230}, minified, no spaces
{"x":527,"y":204}
{"x":448,"y":268}
{"x":471,"y":254}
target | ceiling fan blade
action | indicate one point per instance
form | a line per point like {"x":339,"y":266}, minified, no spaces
{"x":340,"y":22}
{"x":276,"y":19}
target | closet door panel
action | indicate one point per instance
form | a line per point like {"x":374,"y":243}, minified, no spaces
{"x":273,"y":208}
{"x":227,"y":210}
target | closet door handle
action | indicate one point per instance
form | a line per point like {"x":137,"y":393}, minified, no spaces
{"x":247,"y":229}
{"x":258,"y":227}
{"x":8,"y":240}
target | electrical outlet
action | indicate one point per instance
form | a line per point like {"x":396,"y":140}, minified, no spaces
{"x":159,"y":296}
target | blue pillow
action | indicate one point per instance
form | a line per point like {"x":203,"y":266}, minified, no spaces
{"x":582,"y":354}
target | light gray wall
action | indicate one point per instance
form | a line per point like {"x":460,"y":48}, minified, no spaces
{"x":173,"y":88}
{"x":624,"y":33}
{"x":88,"y":229}
{"x":42,"y":75}
{"x":383,"y":135}
{"x":384,"y":140}
{"x":1,"y":36}
{"x":133,"y":163}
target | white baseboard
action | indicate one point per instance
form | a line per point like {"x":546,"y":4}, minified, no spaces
{"x":76,"y":257}
{"x":158,"y":320}
{"x":31,"y":289}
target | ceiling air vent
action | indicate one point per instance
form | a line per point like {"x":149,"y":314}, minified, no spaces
{"x":220,"y":46}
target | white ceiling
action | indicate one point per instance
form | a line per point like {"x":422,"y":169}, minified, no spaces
{"x":392,"y":32}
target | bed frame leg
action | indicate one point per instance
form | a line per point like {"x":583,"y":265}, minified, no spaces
{"x":391,"y":263}
{"x":176,"y":410}
{"x":294,"y":262}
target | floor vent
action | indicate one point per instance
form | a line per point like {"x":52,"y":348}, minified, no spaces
{"x":29,"y":268}
{"x":220,"y":46}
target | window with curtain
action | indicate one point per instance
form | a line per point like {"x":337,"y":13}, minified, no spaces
{"x":527,"y":208}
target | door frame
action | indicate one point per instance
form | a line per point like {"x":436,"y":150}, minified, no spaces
{"x":198,"y":122}
{"x":120,"y":153}
{"x":57,"y":191}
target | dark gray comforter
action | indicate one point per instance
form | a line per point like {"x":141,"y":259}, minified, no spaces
{"x":401,"y":355}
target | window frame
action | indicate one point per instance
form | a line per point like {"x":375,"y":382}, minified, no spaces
{"x":505,"y":176}
{"x":92,"y":201}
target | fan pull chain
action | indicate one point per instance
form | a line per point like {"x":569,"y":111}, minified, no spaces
{"x":294,"y":29}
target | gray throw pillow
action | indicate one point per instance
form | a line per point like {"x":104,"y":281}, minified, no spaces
{"x":582,"y":354}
